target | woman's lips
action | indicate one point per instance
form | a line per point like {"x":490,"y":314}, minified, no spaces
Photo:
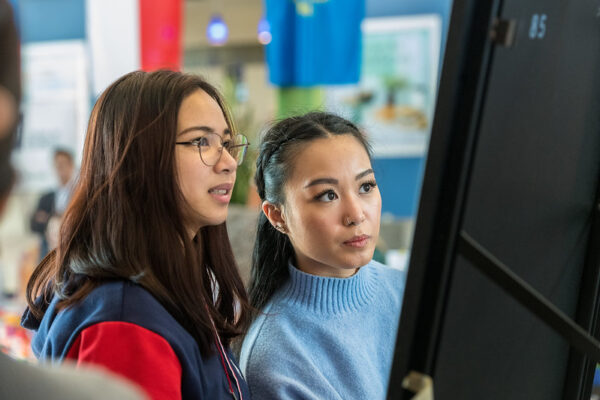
{"x":221,"y":193}
{"x":358,"y":241}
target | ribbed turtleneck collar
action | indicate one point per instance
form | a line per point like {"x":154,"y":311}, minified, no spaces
{"x":330,"y":295}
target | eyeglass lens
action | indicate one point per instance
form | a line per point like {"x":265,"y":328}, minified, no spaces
{"x":211,"y":148}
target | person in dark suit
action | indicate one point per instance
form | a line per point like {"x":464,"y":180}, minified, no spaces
{"x":52,"y":204}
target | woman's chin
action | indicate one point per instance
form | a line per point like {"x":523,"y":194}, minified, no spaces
{"x":205,"y":221}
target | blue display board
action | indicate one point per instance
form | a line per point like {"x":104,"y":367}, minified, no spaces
{"x":399,"y":180}
{"x":49,"y":20}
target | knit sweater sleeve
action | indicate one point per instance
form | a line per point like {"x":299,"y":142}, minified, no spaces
{"x":276,"y":366}
{"x":278,"y":372}
{"x":134,"y":352}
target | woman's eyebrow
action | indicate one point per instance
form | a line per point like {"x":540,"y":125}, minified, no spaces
{"x":320,"y":181}
{"x":333,"y":181}
{"x":364,"y":173}
{"x":204,"y":128}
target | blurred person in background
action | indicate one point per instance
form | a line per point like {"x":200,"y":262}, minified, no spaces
{"x":143,"y":280}
{"x":328,"y":312}
{"x":51,"y":206}
{"x":20,"y":379}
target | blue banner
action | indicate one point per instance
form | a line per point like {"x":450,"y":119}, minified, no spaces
{"x":314,"y":42}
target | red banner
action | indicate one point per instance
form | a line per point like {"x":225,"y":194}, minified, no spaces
{"x":160,"y":34}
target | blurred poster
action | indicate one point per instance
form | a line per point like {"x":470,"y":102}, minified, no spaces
{"x":56,"y":106}
{"x":395,"y":98}
{"x":314,"y":42}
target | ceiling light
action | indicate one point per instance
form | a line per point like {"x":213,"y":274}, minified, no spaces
{"x":217,"y":31}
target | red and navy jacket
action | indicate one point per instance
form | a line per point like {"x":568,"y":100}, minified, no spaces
{"x":122,"y":327}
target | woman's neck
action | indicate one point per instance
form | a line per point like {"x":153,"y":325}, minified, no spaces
{"x":313,"y":267}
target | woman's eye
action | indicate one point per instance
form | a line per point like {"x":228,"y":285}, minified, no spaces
{"x":367,"y":187}
{"x":201,"y":141}
{"x":227,"y":144}
{"x":327,"y":196}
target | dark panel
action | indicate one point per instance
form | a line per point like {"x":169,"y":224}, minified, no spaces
{"x":530,"y":202}
{"x":514,"y":161}
{"x":494,"y":349}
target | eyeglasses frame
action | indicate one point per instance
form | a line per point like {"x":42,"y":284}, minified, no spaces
{"x":196,"y":143}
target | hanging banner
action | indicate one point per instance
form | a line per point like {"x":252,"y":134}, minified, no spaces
{"x":160,"y":29}
{"x":314,"y":42}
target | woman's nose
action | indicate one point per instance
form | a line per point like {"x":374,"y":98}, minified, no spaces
{"x":226,"y":163}
{"x":354,"y":213}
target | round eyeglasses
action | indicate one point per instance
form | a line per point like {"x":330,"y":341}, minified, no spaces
{"x":211,"y":145}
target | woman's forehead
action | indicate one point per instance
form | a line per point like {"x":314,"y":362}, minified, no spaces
{"x":200,"y":109}
{"x":336,"y":156}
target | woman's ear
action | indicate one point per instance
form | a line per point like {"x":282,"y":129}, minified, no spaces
{"x":274,"y":214}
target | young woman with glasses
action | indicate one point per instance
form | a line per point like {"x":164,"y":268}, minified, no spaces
{"x":328,"y":313}
{"x":143,"y":281}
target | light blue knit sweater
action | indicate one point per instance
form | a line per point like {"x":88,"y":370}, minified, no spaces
{"x":325,"y":338}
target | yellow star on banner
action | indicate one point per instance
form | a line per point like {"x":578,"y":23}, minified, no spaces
{"x":306,"y":8}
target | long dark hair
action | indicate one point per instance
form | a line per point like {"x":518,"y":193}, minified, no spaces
{"x":279,"y":145}
{"x":125,"y":222}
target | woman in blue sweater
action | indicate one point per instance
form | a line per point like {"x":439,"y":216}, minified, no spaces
{"x":328,"y":313}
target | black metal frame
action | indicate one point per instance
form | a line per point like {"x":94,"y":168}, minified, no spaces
{"x":462,"y":86}
{"x":439,"y":229}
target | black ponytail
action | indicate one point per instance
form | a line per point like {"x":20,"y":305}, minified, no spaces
{"x":272,"y":251}
{"x":272,"y":248}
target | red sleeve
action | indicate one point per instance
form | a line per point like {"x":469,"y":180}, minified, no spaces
{"x":136,"y":353}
